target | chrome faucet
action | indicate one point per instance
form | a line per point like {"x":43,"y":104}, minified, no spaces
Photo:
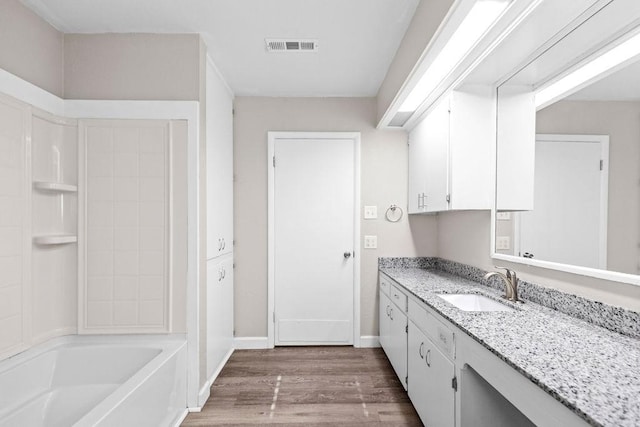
{"x":510,"y":280}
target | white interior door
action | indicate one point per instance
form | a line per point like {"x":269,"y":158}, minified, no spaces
{"x":568,"y":221}
{"x":313,"y":240}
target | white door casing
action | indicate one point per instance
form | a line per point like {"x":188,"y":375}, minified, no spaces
{"x":313,"y":221}
{"x":569,"y":221}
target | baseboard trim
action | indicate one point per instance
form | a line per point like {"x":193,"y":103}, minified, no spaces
{"x":203,"y":396}
{"x":369,"y":341}
{"x":250,"y":343}
{"x":181,"y":418}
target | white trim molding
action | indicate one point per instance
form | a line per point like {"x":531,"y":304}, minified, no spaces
{"x":369,"y":341}
{"x":251,"y":343}
{"x":272,"y":136}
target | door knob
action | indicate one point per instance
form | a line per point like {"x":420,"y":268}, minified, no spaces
{"x":347,"y":255}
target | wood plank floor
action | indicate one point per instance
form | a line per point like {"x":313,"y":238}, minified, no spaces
{"x":307,"y":386}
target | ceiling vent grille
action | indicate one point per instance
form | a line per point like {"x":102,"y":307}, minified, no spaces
{"x":291,"y":45}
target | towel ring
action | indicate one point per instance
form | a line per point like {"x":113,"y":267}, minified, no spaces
{"x":392,"y":213}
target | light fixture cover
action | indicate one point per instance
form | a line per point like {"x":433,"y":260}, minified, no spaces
{"x":475,"y":24}
{"x":590,"y":71}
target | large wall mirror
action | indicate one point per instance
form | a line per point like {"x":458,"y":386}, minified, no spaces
{"x":568,"y":163}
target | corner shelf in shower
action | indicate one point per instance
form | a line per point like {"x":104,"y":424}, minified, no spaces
{"x":60,"y":239}
{"x":55,"y":186}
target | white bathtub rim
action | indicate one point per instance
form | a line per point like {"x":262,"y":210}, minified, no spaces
{"x":139,"y":340}
{"x":169,"y":346}
{"x":133,"y":383}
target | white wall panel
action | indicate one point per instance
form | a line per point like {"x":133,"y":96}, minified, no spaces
{"x":128,"y":225}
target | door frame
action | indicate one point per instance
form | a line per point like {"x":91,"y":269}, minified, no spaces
{"x":272,"y":137}
{"x":603,"y":140}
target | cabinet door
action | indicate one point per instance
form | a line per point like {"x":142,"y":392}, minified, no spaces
{"x":393,"y":336}
{"x":430,"y":374}
{"x":384,"y":320}
{"x":471,"y":139}
{"x":219,"y":312}
{"x":436,"y":163}
{"x":417,"y":171}
{"x":219,"y":158}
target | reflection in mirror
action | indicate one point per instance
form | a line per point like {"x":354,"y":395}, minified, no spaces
{"x":586,"y":181}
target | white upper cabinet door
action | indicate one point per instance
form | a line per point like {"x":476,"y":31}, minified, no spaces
{"x":450,"y":153}
{"x":437,"y":158}
{"x":472,"y":129}
{"x":417,"y":170}
{"x":516,"y":148}
{"x":219,"y":122}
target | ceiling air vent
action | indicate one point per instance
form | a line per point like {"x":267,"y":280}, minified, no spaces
{"x":291,"y":45}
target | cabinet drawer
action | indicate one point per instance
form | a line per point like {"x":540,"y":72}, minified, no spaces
{"x":439,"y":333}
{"x":385,"y":284}
{"x":398,"y":298}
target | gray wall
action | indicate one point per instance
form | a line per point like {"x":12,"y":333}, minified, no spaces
{"x":384,"y":182}
{"x":30,"y":48}
{"x":132,"y":66}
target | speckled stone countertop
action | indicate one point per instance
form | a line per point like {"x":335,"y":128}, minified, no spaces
{"x":591,"y":370}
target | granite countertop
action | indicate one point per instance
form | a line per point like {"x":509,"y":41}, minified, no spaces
{"x":591,"y":370}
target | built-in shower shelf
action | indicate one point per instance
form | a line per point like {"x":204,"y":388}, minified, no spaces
{"x":59,"y":239}
{"x":55,"y":186}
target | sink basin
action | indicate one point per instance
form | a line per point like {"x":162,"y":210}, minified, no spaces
{"x":474,"y":302}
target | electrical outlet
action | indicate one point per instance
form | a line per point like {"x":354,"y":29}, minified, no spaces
{"x":503,"y":216}
{"x":503,"y":243}
{"x":370,"y":242}
{"x":370,"y":212}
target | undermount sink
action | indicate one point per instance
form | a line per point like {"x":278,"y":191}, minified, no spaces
{"x":474,"y":302}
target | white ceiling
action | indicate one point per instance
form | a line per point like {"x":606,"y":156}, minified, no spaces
{"x":357,"y":38}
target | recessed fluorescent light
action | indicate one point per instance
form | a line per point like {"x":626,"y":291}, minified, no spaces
{"x":479,"y":19}
{"x":589,"y":71}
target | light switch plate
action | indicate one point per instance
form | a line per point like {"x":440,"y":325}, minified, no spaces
{"x":503,"y":216}
{"x":370,"y":212}
{"x":370,"y":242}
{"x":503,"y":243}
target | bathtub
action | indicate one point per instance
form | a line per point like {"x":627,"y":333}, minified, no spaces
{"x":134,"y":380}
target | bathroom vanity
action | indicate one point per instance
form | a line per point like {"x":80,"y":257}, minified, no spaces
{"x":528,"y":365}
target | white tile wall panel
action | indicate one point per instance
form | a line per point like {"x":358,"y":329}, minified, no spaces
{"x":14,"y":226}
{"x":128,"y":201}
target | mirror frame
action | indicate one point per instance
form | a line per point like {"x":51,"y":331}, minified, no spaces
{"x":614,"y":276}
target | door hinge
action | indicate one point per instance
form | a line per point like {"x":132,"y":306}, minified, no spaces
{"x":274,"y":161}
{"x":454,"y":383}
{"x":601,"y":164}
{"x":233,"y":111}
{"x":448,"y":198}
{"x":406,"y":329}
{"x":406,"y":380}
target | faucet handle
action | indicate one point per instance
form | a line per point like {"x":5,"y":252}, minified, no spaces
{"x":508,"y":271}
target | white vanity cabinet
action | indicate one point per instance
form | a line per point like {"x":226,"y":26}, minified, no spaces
{"x":431,"y":370}
{"x":393,"y":327}
{"x":430,"y":380}
{"x":450,"y":153}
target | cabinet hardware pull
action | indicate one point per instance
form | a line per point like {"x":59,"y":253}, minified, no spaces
{"x":428,"y":358}
{"x":388,"y":311}
{"x":420,"y":350}
{"x":224,"y":244}
{"x":391,"y":314}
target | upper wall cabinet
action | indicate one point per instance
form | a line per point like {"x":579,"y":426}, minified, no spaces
{"x":219,"y":167}
{"x":450,"y":153}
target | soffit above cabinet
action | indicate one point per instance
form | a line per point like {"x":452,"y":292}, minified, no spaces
{"x":525,"y":30}
{"x":356,"y":39}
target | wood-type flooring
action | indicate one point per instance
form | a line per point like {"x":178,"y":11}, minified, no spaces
{"x":307,"y":386}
